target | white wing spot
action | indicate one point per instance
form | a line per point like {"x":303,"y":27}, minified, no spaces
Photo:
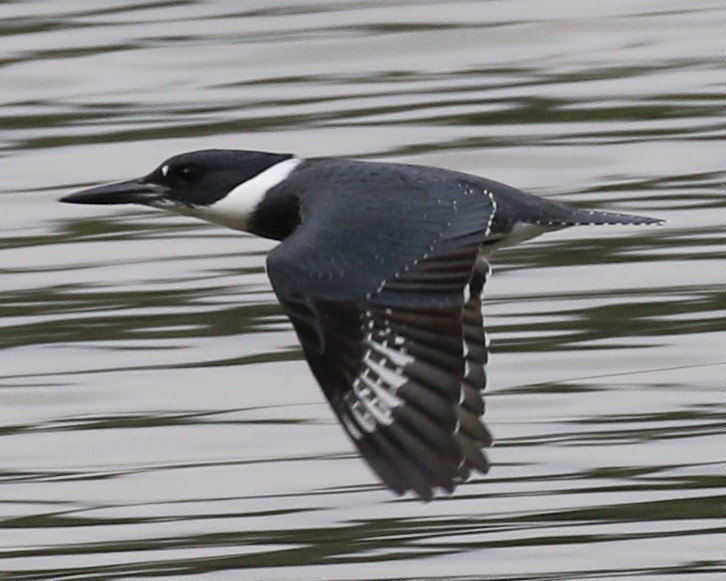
{"x":493,"y":212}
{"x":362,"y":416}
{"x":373,"y":398}
{"x":352,"y":429}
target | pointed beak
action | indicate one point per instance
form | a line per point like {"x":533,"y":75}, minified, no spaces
{"x":136,"y":191}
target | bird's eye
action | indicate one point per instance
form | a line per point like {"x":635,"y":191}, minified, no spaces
{"x":189,"y":173}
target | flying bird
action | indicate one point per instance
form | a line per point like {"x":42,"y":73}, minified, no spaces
{"x":380,"y":268}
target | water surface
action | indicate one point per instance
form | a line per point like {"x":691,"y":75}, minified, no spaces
{"x":156,"y":416}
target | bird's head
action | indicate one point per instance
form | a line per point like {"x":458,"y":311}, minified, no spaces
{"x":217,"y":185}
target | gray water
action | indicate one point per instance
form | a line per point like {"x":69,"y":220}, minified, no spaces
{"x":156,"y":416}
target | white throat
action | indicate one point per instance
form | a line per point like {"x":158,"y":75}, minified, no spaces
{"x":236,"y":208}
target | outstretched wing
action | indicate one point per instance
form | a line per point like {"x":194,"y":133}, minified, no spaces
{"x":402,"y":364}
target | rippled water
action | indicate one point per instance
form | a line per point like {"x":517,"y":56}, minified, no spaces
{"x":156,"y":417}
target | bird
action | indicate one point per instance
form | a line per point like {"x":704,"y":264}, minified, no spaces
{"x":380,"y":267}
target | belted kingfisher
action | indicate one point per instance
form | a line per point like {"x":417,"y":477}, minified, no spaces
{"x":381,"y":268}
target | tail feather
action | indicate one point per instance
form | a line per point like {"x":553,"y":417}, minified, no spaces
{"x":594,"y":217}
{"x":514,"y":206}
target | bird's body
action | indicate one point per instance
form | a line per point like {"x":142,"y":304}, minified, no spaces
{"x":381,"y":269}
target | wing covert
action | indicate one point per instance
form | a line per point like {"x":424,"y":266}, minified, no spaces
{"x":401,"y":361}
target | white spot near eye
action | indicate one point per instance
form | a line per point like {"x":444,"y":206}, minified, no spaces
{"x":164,"y":170}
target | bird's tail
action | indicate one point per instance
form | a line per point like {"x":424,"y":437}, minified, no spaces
{"x":513,"y":205}
{"x":594,"y":217}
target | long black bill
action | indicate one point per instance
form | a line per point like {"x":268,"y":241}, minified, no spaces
{"x":131,"y":192}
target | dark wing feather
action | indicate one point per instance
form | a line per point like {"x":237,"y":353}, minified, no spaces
{"x":402,"y":364}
